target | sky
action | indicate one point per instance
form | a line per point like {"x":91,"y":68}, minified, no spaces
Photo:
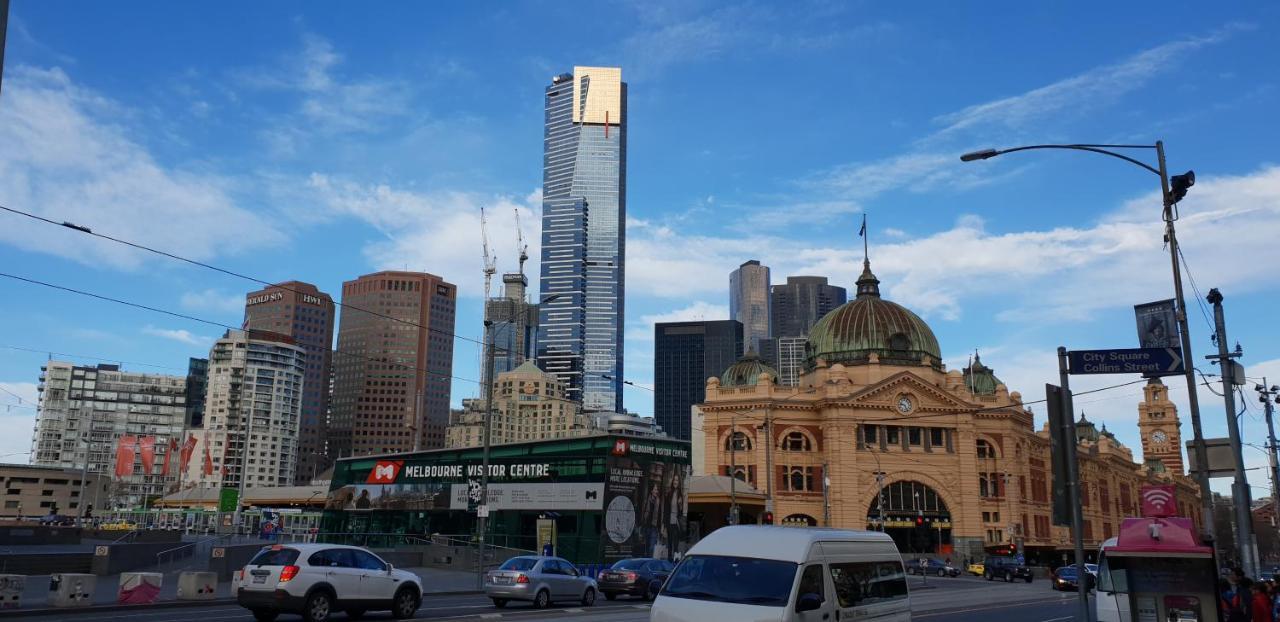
{"x":319,"y":141}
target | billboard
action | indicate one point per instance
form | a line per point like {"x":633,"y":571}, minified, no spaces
{"x":646,"y":500}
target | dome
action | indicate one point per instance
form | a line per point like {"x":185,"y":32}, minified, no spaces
{"x":870,"y":325}
{"x":980,"y":379}
{"x":1085,"y":430}
{"x":746,"y":372}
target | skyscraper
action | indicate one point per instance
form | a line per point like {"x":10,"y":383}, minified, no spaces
{"x":393,"y":365}
{"x":749,"y":302}
{"x":796,"y":306}
{"x":584,"y":211}
{"x":685,"y":355}
{"x":512,"y":323}
{"x":305,"y":314}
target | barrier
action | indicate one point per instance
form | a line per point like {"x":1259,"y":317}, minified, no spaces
{"x":193,"y":585}
{"x":11,"y":586}
{"x":139,"y":588}
{"x":71,"y":590}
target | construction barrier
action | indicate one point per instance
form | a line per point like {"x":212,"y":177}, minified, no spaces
{"x":71,"y":590}
{"x":195,"y":585}
{"x":11,"y":586}
{"x":139,"y":588}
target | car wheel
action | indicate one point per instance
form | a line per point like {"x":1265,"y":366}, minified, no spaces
{"x":318,"y":607}
{"x":610,"y":595}
{"x":1028,"y":579}
{"x":500,"y":602}
{"x":652,"y":592}
{"x":990,"y":577}
{"x":942,"y":573}
{"x":542,"y":600}
{"x":355,"y":614}
{"x":405,"y":603}
{"x":265,"y":615}
{"x":588,"y":597}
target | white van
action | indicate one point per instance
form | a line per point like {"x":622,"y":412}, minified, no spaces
{"x":784,"y":574}
{"x":1111,"y":604}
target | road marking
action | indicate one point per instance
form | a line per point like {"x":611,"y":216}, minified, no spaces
{"x":1004,"y":606}
{"x":490,"y":616}
{"x":1058,"y":619}
{"x":575,"y":610}
{"x":640,"y":606}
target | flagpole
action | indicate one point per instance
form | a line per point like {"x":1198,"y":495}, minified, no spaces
{"x":866,"y":255}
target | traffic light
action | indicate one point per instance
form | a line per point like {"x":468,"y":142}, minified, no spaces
{"x":1178,"y":185}
{"x":768,"y":518}
{"x":919,"y":521}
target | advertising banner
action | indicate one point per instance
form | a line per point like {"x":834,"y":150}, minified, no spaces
{"x":646,"y":501}
{"x":1157,"y":327}
{"x":536,"y":497}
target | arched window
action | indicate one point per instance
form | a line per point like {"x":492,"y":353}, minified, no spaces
{"x":738,"y":441}
{"x":799,"y":520}
{"x":740,"y":474}
{"x":985,"y":449}
{"x":796,"y":441}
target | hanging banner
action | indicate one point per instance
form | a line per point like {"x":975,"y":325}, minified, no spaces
{"x":147,"y":451}
{"x":126,"y":448}
{"x":208,"y":460}
{"x":168,"y":457}
{"x":188,"y":448}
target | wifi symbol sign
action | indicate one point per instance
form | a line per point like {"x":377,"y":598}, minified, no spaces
{"x":1158,"y":501}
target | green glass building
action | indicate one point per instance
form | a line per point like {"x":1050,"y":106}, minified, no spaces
{"x":609,"y":497}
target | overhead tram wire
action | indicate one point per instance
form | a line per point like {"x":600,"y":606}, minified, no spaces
{"x":86,"y":357}
{"x":218,"y":324}
{"x":1204,"y":310}
{"x":88,"y":231}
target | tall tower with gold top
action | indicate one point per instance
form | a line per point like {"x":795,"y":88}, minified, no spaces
{"x":1160,"y":428}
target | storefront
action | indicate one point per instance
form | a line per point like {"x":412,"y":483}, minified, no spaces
{"x":608,"y":497}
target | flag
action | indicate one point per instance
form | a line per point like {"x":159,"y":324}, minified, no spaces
{"x":147,"y":450}
{"x":188,"y":448}
{"x":863,"y":231}
{"x":168,"y":457}
{"x":208,"y":459}
{"x":126,"y":446}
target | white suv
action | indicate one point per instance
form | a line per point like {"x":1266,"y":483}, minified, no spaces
{"x":317,"y":579}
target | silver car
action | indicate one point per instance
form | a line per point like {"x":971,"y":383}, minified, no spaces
{"x":540,"y":580}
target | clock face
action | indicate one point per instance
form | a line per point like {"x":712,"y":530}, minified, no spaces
{"x":904,"y":404}
{"x":1159,"y":436}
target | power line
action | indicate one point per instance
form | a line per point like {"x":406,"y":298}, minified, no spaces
{"x":1204,"y":311}
{"x":87,"y":357}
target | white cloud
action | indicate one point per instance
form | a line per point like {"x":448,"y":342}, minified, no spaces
{"x":180,"y":335}
{"x":695,"y":312}
{"x":17,"y":419}
{"x":212,"y":300}
{"x":66,"y":157}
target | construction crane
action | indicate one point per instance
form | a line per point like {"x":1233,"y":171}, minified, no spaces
{"x":490,"y":261}
{"x":521,"y":247}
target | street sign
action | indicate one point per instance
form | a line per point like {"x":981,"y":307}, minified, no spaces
{"x":1219,"y":454}
{"x":1126,"y":361}
{"x":482,"y":511}
{"x":1059,"y":445}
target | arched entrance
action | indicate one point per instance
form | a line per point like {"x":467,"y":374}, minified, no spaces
{"x":799,"y":520}
{"x":914,"y":515}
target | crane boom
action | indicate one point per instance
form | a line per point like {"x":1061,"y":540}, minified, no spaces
{"x":490,"y":262}
{"x":521,"y":246}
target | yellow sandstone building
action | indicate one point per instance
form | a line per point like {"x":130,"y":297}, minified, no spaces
{"x":878,"y":434}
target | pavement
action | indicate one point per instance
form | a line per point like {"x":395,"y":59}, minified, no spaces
{"x":960,"y":599}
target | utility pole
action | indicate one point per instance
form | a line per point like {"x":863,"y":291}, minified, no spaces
{"x":768,"y":462}
{"x":1073,"y":476}
{"x":4,"y":28}
{"x":1267,"y":394}
{"x":482,"y":510}
{"x":84,"y":470}
{"x":733,"y":468}
{"x":826,"y":496}
{"x":1240,"y":493}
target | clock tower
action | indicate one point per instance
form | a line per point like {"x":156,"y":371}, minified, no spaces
{"x":1160,"y":428}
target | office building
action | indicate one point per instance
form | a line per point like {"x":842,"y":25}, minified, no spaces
{"x":393,"y":364}
{"x":786,"y":355}
{"x":625,"y":424}
{"x":794,"y":307}
{"x":305,"y":314}
{"x":749,"y":302}
{"x":35,"y":491}
{"x":197,"y":383}
{"x":584,"y":211}
{"x":685,"y":355}
{"x":252,"y":413}
{"x":512,"y":324}
{"x":528,"y":405}
{"x":88,"y":413}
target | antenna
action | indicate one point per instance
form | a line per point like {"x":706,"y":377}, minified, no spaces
{"x":521,"y":247}
{"x":490,"y":261}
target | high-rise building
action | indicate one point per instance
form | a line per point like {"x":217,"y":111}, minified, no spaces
{"x":85,"y":412}
{"x":512,"y":323}
{"x":197,"y":384}
{"x":304,"y":313}
{"x":785,"y":354}
{"x":528,"y":405}
{"x":393,"y":364}
{"x":252,"y":414}
{"x":796,"y":306}
{"x":749,"y":302}
{"x":584,"y":212}
{"x":685,"y":355}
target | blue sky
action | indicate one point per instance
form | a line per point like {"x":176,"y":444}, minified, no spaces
{"x":320,"y":141}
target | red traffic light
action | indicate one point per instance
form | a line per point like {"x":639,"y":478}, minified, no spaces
{"x":768,"y":518}
{"x":919,"y":521}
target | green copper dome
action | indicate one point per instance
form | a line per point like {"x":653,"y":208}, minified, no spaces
{"x":746,"y":372}
{"x":979,"y":378}
{"x":1085,"y":430}
{"x":871,"y":325}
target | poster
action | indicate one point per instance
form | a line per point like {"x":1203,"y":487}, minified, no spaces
{"x":646,"y":507}
{"x":1157,"y":326}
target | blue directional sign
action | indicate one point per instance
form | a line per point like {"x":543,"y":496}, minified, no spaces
{"x":1153,"y":361}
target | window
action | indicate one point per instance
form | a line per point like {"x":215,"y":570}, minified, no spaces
{"x":936,"y":437}
{"x":799,"y":479}
{"x":869,"y":434}
{"x":519,"y":563}
{"x":796,"y":441}
{"x":985,"y":450}
{"x":811,"y":582}
{"x":866,"y":583}
{"x":9,"y":505}
{"x":279,"y":557}
{"x":366,"y":561}
{"x":891,"y":435}
{"x":738,"y":441}
{"x":914,"y":437}
{"x":759,"y":582}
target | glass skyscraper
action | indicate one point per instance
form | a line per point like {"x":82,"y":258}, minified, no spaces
{"x":584,"y":211}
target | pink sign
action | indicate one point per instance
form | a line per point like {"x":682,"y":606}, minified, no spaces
{"x":1159,"y":501}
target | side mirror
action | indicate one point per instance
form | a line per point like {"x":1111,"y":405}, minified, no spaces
{"x":390,"y":568}
{"x":808,"y":602}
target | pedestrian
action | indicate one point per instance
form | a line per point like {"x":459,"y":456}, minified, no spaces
{"x":1234,"y":597}
{"x":1261,"y":604}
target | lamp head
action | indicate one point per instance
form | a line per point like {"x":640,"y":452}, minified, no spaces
{"x":1178,"y":185}
{"x":979,"y":155}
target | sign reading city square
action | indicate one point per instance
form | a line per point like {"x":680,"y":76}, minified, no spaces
{"x":1151,"y":361}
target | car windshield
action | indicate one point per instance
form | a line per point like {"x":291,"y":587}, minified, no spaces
{"x":996,"y":561}
{"x":742,"y":580}
{"x":519,"y":563}
{"x":1067,"y":572}
{"x":630,"y":564}
{"x":275,"y":557}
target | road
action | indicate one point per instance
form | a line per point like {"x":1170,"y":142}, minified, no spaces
{"x":961,"y":599}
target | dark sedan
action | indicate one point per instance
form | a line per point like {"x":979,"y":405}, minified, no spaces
{"x":1067,"y":580}
{"x":640,"y":576}
{"x":932,"y":567}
